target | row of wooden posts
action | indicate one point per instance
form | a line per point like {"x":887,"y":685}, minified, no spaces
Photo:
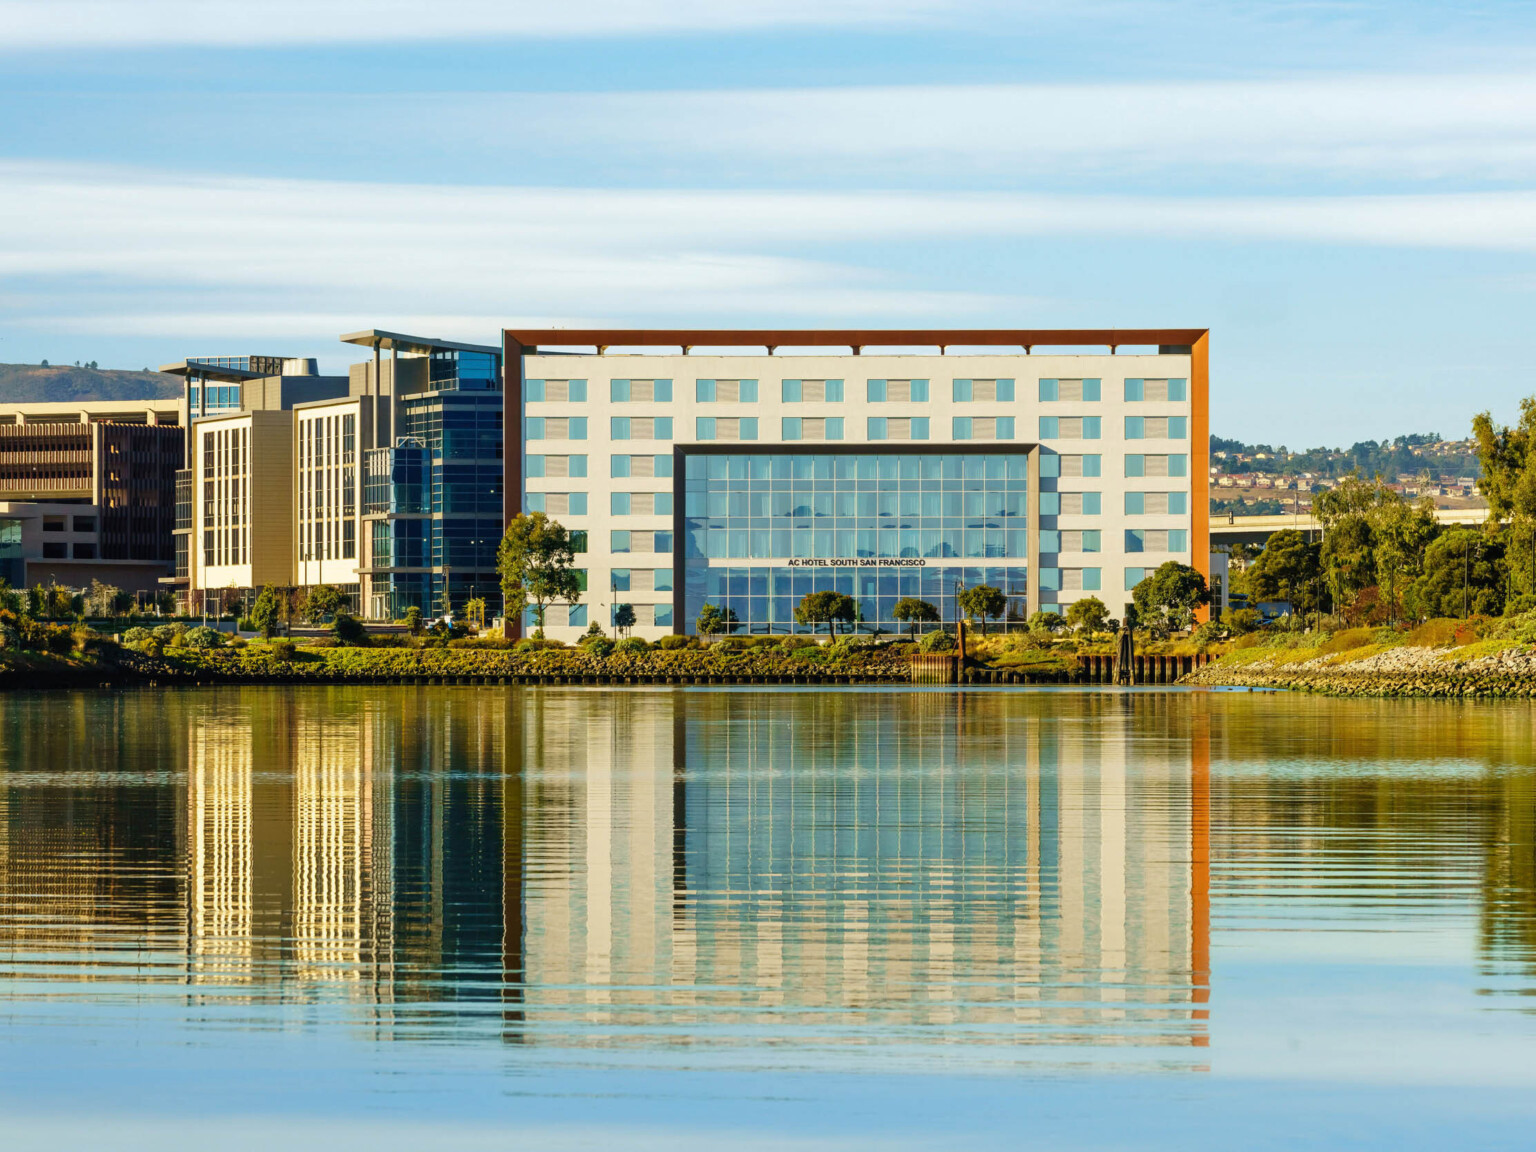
{"x":947,"y":668}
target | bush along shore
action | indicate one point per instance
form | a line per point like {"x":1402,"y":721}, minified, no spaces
{"x":1477,"y":657}
{"x":55,"y":655}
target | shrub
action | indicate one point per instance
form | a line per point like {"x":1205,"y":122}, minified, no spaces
{"x":324,"y":642}
{"x":59,"y":640}
{"x":1247,"y":640}
{"x":170,"y":635}
{"x":632,"y":644}
{"x":598,"y":646}
{"x":940,"y":641}
{"x":10,"y":638}
{"x":793,"y":642}
{"x":136,"y":636}
{"x":246,"y":624}
{"x":1519,"y":604}
{"x":284,"y":650}
{"x":536,"y":644}
{"x":1209,"y":632}
{"x":672,"y":643}
{"x":238,"y":642}
{"x":203,"y":637}
{"x":1347,"y":639}
{"x":395,"y":640}
{"x":1437,"y":633}
{"x":349,"y":630}
{"x":153,"y":647}
{"x":480,"y":643}
{"x":1241,"y":621}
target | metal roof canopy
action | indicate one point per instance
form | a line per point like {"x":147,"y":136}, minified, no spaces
{"x":211,"y":372}
{"x":857,"y":339}
{"x":422,"y":344}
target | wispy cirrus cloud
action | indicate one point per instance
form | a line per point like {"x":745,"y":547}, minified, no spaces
{"x":246,"y":23}
{"x":165,"y":249}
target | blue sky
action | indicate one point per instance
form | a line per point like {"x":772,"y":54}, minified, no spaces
{"x":1345,"y":193}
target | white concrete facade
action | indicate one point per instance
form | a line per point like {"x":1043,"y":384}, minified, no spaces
{"x":1129,"y":453}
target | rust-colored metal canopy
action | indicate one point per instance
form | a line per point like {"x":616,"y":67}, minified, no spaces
{"x":855,"y":338}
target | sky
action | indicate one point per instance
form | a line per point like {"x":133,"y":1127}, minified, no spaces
{"x":1343,"y":192}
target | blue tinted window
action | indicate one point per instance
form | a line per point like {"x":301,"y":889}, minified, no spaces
{"x":1090,"y":389}
{"x":961,"y":391}
{"x":791,"y":428}
{"x":749,"y":391}
{"x":1178,"y":389}
{"x":1135,"y":540}
{"x":704,"y":391}
{"x":578,"y":503}
{"x":749,"y":427}
{"x":1050,"y":504}
{"x":919,"y":391}
{"x":1005,"y":391}
{"x":661,"y":466}
{"x":662,"y":390}
{"x":1135,"y":503}
{"x":535,"y":427}
{"x":875,"y":391}
{"x":1092,"y":503}
{"x":1134,"y":390}
{"x":919,"y":427}
{"x":1005,"y":427}
{"x":618,"y":391}
{"x":1135,"y":427}
{"x":618,"y":466}
{"x":1135,"y":465}
{"x":1048,"y":390}
{"x":961,"y":428}
{"x":620,"y":580}
{"x":664,"y":615}
{"x":662,"y":579}
{"x":663,"y":428}
{"x":1050,"y":427}
{"x":577,"y":465}
{"x":1178,"y":540}
{"x":618,"y":540}
{"x":1133,"y":577}
{"x":1091,"y":577}
{"x":835,"y":391}
{"x":535,"y":466}
{"x":618,"y":427}
{"x":534,"y":390}
{"x":663,"y":504}
{"x":1178,"y":503}
{"x":578,"y":427}
{"x":1178,"y":428}
{"x":1178,"y":465}
{"x":790,"y":391}
{"x":704,"y":428}
{"x":875,"y":428}
{"x":663,"y":542}
{"x":619,"y":503}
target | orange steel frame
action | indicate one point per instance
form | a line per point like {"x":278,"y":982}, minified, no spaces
{"x":520,"y":342}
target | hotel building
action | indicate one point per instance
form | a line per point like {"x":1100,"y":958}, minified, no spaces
{"x":745,"y":469}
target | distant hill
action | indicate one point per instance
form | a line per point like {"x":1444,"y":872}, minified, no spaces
{"x":31,"y":383}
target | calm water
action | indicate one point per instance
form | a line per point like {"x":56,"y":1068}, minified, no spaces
{"x":454,"y":917}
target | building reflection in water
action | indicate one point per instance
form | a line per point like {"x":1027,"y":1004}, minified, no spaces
{"x":640,"y":868}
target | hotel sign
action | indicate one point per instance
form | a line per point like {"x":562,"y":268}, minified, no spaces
{"x":860,"y":562}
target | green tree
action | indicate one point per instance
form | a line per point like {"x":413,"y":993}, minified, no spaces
{"x":267,"y":612}
{"x":1372,"y":539}
{"x":912,"y":612}
{"x":1288,"y":569}
{"x":474,"y":612}
{"x":826,"y":608}
{"x":100,"y":598}
{"x":1167,"y":599}
{"x":413,"y":619}
{"x":536,"y":561}
{"x":323,"y":600}
{"x":1046,"y":622}
{"x":623,"y":617}
{"x":1088,"y":615}
{"x":714,"y":620}
{"x":1463,"y":575}
{"x":982,"y":601}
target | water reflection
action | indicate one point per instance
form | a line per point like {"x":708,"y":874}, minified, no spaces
{"x":985,"y":875}
{"x":640,"y":868}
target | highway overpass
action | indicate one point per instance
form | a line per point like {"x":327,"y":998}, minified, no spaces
{"x":1255,"y":530}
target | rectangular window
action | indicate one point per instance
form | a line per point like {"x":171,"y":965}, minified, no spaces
{"x":85,"y":551}
{"x":575,"y":465}
{"x":662,"y":542}
{"x":1143,"y":465}
{"x":1134,"y":576}
{"x":725,"y":428}
{"x":961,"y":428}
{"x":619,"y":580}
{"x":536,"y":502}
{"x":1156,"y":427}
{"x":812,"y":428}
{"x":962,"y":391}
{"x":1156,"y":503}
{"x":621,"y":465}
{"x":534,"y":427}
{"x":897,"y":390}
{"x":661,"y":580}
{"x":1080,"y":540}
{"x":619,"y":503}
{"x":85,"y":523}
{"x":1080,"y":465}
{"x":624,"y":391}
{"x":1050,"y":503}
{"x":897,"y":428}
{"x":576,"y":616}
{"x":536,"y":391}
{"x":811,"y":391}
{"x":1080,"y":579}
{"x":1081,"y":503}
{"x":1050,"y":540}
{"x":725,"y":391}
{"x":579,"y":540}
{"x":982,"y":427}
{"x":1070,"y":427}
{"x":535,"y":467}
{"x":1050,"y":579}
{"x":1178,"y":540}
{"x":576,"y":428}
{"x":1070,"y":390}
{"x":618,"y":540}
{"x":663,"y":616}
{"x":1139,"y":390}
{"x":661,"y":428}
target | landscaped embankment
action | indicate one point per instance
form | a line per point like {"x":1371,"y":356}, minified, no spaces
{"x":1393,"y":666}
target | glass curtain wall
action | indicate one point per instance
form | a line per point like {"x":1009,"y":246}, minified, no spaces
{"x":876,"y":527}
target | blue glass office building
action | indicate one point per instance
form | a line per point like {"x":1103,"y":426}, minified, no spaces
{"x":433,"y":500}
